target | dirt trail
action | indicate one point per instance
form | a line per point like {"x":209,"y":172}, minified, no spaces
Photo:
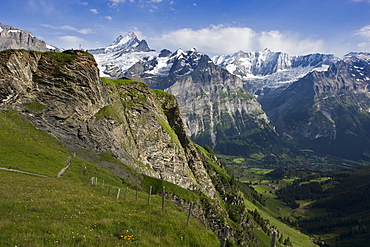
{"x":29,"y":173}
{"x":65,"y":168}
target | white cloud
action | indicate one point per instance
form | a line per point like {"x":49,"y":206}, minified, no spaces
{"x":70,"y":28}
{"x":46,"y":6}
{"x":228,"y":40}
{"x":95,"y":11}
{"x":116,"y":2}
{"x":71,"y":41}
{"x":109,"y":18}
{"x":364,"y":32}
{"x":85,"y":31}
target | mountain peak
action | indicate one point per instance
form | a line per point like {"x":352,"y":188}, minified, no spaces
{"x":124,"y":39}
{"x":15,"y":38}
{"x":123,"y":42}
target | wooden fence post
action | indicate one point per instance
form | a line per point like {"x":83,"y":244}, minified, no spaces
{"x":137,"y":191}
{"x":274,"y":237}
{"x":149,"y":194}
{"x":189,"y":213}
{"x":163,"y":192}
{"x":118,"y":191}
{"x":125,"y":193}
{"x":225,"y":236}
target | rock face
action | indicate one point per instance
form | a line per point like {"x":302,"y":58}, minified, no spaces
{"x":216,"y":109}
{"x":265,"y":71}
{"x":327,"y":111}
{"x":14,"y":38}
{"x":124,"y":119}
{"x":63,"y":95}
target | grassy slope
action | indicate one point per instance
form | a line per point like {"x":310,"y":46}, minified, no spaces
{"x":270,"y":211}
{"x":25,"y":148}
{"x":297,"y":238}
{"x":69,"y":211}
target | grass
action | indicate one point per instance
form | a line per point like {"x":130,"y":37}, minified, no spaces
{"x":169,"y":130}
{"x":69,"y":210}
{"x":296,"y":237}
{"x":107,"y":112}
{"x":263,"y":238}
{"x":161,"y":93}
{"x":249,"y":174}
{"x":118,"y":82}
{"x":274,"y":206}
{"x":28,"y":149}
{"x":34,"y":106}
{"x":63,"y":212}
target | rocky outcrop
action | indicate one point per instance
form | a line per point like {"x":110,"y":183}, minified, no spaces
{"x":15,"y":38}
{"x":124,"y":44}
{"x":82,"y":111}
{"x":62,"y":94}
{"x":327,"y":111}
{"x":264,"y":72}
{"x":216,"y":108}
{"x":217,"y":111}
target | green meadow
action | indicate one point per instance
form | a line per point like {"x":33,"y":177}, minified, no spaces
{"x":70,"y":210}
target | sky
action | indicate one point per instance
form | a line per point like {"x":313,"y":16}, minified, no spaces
{"x":214,"y":27}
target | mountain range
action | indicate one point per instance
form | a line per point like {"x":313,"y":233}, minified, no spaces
{"x":15,"y":38}
{"x":56,"y":108}
{"x":218,"y":96}
{"x":252,"y":102}
{"x":263,"y":71}
{"x":327,"y":111}
{"x":217,"y":110}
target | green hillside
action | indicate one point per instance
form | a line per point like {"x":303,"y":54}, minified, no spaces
{"x":69,"y":210}
{"x":45,"y":210}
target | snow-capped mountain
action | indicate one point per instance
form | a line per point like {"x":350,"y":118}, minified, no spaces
{"x":124,"y":44}
{"x":263,"y":71}
{"x":162,"y":70}
{"x":123,"y":53}
{"x":327,"y":111}
{"x":15,"y":38}
{"x":216,"y":109}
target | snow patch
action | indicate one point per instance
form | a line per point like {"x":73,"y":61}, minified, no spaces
{"x":121,"y":62}
{"x":163,"y":67}
{"x":14,"y":31}
{"x":50,"y":47}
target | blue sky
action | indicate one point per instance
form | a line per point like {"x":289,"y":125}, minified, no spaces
{"x":297,"y":27}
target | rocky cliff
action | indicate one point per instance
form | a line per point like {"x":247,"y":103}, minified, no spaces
{"x":265,"y":71}
{"x":327,"y":111}
{"x":217,"y":111}
{"x":80,"y":109}
{"x":15,"y":38}
{"x":63,"y":95}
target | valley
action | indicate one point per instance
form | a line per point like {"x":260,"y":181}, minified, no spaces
{"x":256,"y":142}
{"x":329,"y":205}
